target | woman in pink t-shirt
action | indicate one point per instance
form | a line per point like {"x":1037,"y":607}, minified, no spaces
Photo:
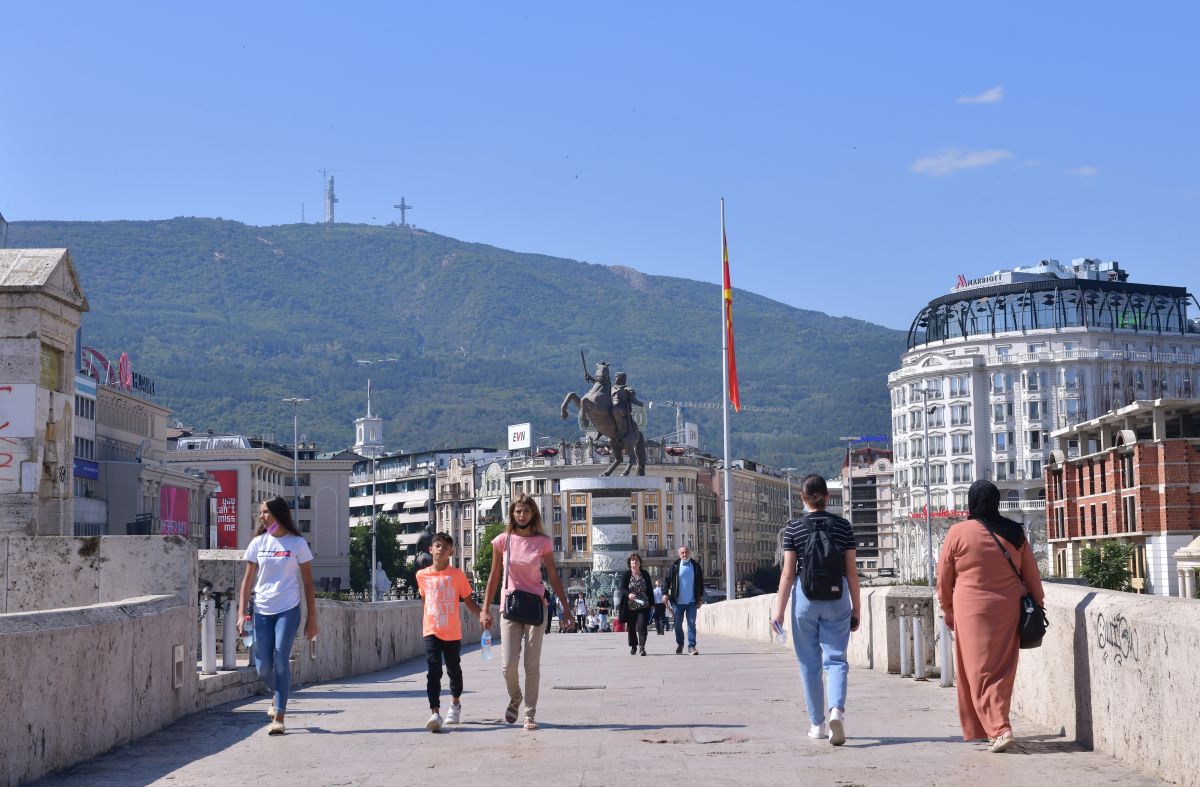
{"x":529,"y":550}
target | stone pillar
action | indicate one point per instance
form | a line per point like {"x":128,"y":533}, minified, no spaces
{"x":1189,"y":583}
{"x":611,"y":524}
{"x":1182,"y":582}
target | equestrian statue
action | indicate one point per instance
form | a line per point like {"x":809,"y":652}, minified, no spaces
{"x":608,"y":409}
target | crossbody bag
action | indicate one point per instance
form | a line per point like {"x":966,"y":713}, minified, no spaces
{"x":1032,"y":625}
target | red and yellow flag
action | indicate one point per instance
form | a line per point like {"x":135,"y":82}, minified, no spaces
{"x":734,"y":398}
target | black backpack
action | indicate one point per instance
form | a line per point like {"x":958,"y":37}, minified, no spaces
{"x":824,"y":564}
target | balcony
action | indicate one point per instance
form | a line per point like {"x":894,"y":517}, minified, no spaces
{"x":1022,"y":505}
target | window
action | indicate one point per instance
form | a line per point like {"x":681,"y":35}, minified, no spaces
{"x":1002,"y":412}
{"x":937,"y":445}
{"x":651,"y":510}
{"x":578,"y":543}
{"x":937,"y":416}
{"x":1034,"y":468}
{"x":1034,"y":410}
{"x":962,"y":474}
{"x":1130,"y":514}
{"x":1004,"y":470}
{"x":1031,"y":381}
{"x":578,"y":512}
{"x":1070,"y":379}
{"x":1139,"y":380}
{"x":1104,"y":518}
{"x":960,"y":415}
{"x":652,"y":541}
{"x":960,"y":443}
{"x":540,"y":486}
{"x":960,"y":385}
{"x":1034,"y":439}
{"x":556,"y":514}
{"x":937,"y":474}
{"x":1002,"y":440}
{"x":914,"y":420}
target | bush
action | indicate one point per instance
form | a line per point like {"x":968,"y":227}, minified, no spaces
{"x":1107,"y":566}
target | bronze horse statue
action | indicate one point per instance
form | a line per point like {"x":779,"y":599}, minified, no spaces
{"x":596,"y":412}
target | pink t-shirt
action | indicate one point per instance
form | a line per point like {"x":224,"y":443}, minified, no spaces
{"x":524,"y":562}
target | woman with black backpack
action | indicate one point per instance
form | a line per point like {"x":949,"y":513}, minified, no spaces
{"x":821,"y":578}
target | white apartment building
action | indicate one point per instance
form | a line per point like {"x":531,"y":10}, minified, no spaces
{"x":1010,"y":357}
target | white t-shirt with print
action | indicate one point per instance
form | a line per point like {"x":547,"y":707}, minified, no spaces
{"x":277,"y":587}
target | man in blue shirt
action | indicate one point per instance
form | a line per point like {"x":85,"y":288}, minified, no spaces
{"x":685,"y":593}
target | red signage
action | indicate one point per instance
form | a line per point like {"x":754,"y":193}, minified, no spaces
{"x":940,"y":513}
{"x":173,"y":511}
{"x":227,"y":508}
{"x":960,"y":282}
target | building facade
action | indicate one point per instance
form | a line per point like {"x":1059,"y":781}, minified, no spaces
{"x":41,"y":303}
{"x":244,"y":472}
{"x":91,"y":510}
{"x":996,"y":365}
{"x":868,"y":473}
{"x":1132,"y":476}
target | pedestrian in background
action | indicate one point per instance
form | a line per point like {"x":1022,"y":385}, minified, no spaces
{"x":603,"y":609}
{"x":550,"y":606}
{"x":820,"y":627}
{"x":526,"y":550}
{"x":660,"y":607}
{"x":634,"y":606}
{"x":685,"y":594}
{"x":980,"y":594}
{"x":279,"y":568}
{"x":581,"y":613}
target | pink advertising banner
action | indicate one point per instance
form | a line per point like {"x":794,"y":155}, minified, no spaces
{"x":227,"y":508}
{"x":173,"y":511}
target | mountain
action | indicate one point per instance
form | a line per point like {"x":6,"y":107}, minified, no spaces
{"x":228,"y":319}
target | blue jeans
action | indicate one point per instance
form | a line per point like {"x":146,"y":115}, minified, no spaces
{"x":820,"y":634}
{"x":273,"y":636}
{"x":685,"y":611}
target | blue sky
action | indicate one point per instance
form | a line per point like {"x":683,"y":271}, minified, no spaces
{"x":868,"y":153}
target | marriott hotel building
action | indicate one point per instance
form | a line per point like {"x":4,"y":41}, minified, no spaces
{"x":1006,"y":360}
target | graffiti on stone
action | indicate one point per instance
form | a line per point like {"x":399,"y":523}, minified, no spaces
{"x":1116,"y":638}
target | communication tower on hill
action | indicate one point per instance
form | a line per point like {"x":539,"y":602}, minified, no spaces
{"x":330,"y":199}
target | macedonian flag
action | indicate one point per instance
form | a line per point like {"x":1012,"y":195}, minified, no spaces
{"x":730,"y":358}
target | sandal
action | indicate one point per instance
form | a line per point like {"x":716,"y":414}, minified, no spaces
{"x":510,"y":713}
{"x":1002,"y":742}
{"x":276,"y":728}
{"x":530,"y":724}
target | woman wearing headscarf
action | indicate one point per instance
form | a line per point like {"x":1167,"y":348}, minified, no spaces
{"x":980,"y":596}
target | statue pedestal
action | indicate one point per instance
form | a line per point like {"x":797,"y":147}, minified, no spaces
{"x":612,"y":526}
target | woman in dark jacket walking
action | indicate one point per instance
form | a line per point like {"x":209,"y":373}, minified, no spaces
{"x":634,"y":607}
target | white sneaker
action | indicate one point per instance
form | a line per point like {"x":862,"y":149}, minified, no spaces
{"x":434,"y":724}
{"x":455,"y":714}
{"x":837,"y":731}
{"x":817,"y":731}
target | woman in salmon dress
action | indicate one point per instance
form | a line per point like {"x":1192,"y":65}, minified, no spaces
{"x":980,"y":596}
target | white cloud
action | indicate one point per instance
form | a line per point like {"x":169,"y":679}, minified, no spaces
{"x":1086,"y":171}
{"x":989,"y":96}
{"x":947,"y":161}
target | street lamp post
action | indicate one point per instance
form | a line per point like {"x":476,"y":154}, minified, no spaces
{"x":374,"y":454}
{"x":787,"y":474}
{"x":849,"y":490}
{"x":925,"y":410}
{"x":295,"y":402}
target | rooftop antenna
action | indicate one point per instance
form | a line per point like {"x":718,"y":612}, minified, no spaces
{"x":403,"y":207}
{"x":330,"y":199}
{"x":301,"y":212}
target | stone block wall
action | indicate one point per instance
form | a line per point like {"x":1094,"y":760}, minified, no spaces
{"x":74,"y":683}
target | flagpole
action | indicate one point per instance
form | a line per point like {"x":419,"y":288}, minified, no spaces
{"x":727,"y":486}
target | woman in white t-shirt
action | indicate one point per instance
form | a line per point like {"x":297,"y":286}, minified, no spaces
{"x":278,"y":567}
{"x":529,"y":550}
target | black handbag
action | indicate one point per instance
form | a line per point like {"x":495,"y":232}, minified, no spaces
{"x":1031,"y":627}
{"x":520,"y":606}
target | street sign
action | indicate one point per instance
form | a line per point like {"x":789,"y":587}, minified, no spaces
{"x":875,"y":438}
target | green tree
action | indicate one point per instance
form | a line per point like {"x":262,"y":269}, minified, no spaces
{"x":1107,"y":566}
{"x":389,"y":552}
{"x":483,"y":557}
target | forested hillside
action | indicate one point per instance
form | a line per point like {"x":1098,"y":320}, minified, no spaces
{"x":228,"y":319}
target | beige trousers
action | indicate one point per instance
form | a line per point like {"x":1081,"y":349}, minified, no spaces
{"x":514,"y":637}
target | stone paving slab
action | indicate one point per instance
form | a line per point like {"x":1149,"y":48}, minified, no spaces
{"x":731,"y":716}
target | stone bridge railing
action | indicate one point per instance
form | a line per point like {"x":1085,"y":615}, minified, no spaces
{"x":1117,"y":672}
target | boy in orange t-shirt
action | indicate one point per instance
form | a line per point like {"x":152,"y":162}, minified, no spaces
{"x":442,"y":585}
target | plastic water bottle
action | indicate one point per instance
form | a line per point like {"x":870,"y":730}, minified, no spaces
{"x":248,"y":634}
{"x":485,"y":642}
{"x":778,"y":634}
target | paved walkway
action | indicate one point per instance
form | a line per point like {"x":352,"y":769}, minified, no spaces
{"x":731,"y":716}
